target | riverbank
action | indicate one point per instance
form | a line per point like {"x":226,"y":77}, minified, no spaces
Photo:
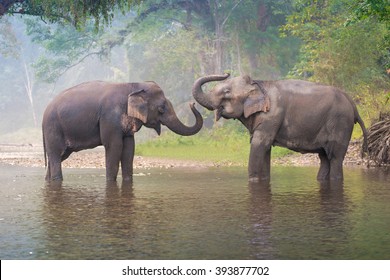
{"x":32,"y":156}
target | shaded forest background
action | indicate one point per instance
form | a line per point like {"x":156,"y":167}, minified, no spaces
{"x":47,"y":46}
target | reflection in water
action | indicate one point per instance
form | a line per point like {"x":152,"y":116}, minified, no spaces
{"x":260,"y":211}
{"x":333,"y":215}
{"x":195,"y":214}
{"x":80,"y":219}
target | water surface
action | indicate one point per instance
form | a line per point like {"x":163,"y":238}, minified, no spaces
{"x":206,"y":213}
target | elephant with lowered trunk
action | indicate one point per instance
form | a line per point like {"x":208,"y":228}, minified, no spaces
{"x":102,"y":113}
{"x":302,"y":116}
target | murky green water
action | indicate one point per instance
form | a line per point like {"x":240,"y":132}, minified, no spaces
{"x":194,"y":214}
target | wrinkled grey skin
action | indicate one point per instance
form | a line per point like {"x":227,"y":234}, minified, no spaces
{"x":299,"y":115}
{"x":101,"y":113}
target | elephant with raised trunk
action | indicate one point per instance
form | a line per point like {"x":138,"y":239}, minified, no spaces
{"x":102,"y":113}
{"x":302,"y":116}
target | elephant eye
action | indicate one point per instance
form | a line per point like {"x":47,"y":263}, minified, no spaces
{"x":227,"y":94}
{"x":161,"y":109}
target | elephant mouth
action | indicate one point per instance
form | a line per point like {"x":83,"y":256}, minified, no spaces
{"x":156,"y":127}
{"x":218,"y":113}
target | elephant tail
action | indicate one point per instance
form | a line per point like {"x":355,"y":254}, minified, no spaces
{"x":44,"y":147}
{"x":359,"y":120}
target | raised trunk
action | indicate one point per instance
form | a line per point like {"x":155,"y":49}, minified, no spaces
{"x":200,"y":96}
{"x":174,"y":124}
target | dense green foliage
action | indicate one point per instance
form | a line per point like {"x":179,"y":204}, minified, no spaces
{"x":336,"y":51}
{"x":363,"y":9}
{"x":76,"y":13}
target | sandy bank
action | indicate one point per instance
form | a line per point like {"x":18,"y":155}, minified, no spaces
{"x":32,"y":156}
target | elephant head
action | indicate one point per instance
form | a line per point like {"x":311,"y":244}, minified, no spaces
{"x":148,"y":106}
{"x":232,"y":98}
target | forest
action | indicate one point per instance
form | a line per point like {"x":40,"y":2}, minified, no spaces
{"x":47,"y":46}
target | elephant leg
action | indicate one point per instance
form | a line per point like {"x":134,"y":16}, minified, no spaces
{"x":127,"y":158}
{"x":259,"y":158}
{"x":47,"y":177}
{"x":323,"y":173}
{"x":54,"y":171}
{"x":336,"y":169}
{"x":339,"y":146}
{"x":54,"y":150}
{"x":113,"y":157}
{"x":336,"y":161}
{"x":266,"y":171}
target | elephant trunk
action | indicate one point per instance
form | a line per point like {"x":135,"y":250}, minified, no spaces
{"x":174,"y":124}
{"x":200,"y":96}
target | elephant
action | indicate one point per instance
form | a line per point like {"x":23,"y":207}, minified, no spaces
{"x":302,"y":116}
{"x":105,"y":113}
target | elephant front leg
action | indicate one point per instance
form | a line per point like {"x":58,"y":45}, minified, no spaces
{"x":259,"y":159}
{"x":127,"y":158}
{"x":113,"y":157}
{"x":54,"y":171}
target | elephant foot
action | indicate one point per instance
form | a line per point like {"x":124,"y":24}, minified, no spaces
{"x":111,"y":180}
{"x":321,"y":177}
{"x":253,"y":180}
{"x":53,"y":184}
{"x":54,"y":179}
{"x":257,"y":179}
{"x":337,"y":179}
{"x":127,"y":179}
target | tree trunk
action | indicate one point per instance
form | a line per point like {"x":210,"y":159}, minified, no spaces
{"x":219,"y":33}
{"x":29,"y":89}
{"x":218,"y":39}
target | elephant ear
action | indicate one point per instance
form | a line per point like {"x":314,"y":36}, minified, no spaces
{"x":257,"y":100}
{"x":137,"y":106}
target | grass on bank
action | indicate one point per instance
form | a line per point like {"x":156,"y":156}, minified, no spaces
{"x":220,"y":145}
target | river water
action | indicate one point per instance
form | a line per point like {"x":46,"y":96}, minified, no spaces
{"x":205,"y":213}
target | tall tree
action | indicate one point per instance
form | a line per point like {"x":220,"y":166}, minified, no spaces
{"x":74,"y":12}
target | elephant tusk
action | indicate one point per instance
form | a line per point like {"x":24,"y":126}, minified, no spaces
{"x":218,"y":113}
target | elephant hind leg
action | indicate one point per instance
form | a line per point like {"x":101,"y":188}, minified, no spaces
{"x":324,"y":171}
{"x":48,"y":173}
{"x":54,"y":171}
{"x":336,"y":158}
{"x":336,"y":169}
{"x":55,"y":155}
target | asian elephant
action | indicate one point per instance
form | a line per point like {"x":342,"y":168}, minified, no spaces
{"x":302,"y":116}
{"x":103,"y":113}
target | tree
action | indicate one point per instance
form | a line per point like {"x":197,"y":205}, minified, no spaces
{"x":18,"y":93}
{"x":8,"y":40}
{"x":363,"y":9}
{"x":75,"y":12}
{"x":67,"y":47}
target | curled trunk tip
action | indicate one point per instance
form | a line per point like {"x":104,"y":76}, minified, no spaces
{"x":175,"y":125}
{"x":198,"y":93}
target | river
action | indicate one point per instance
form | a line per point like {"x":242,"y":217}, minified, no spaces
{"x":194,"y":213}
